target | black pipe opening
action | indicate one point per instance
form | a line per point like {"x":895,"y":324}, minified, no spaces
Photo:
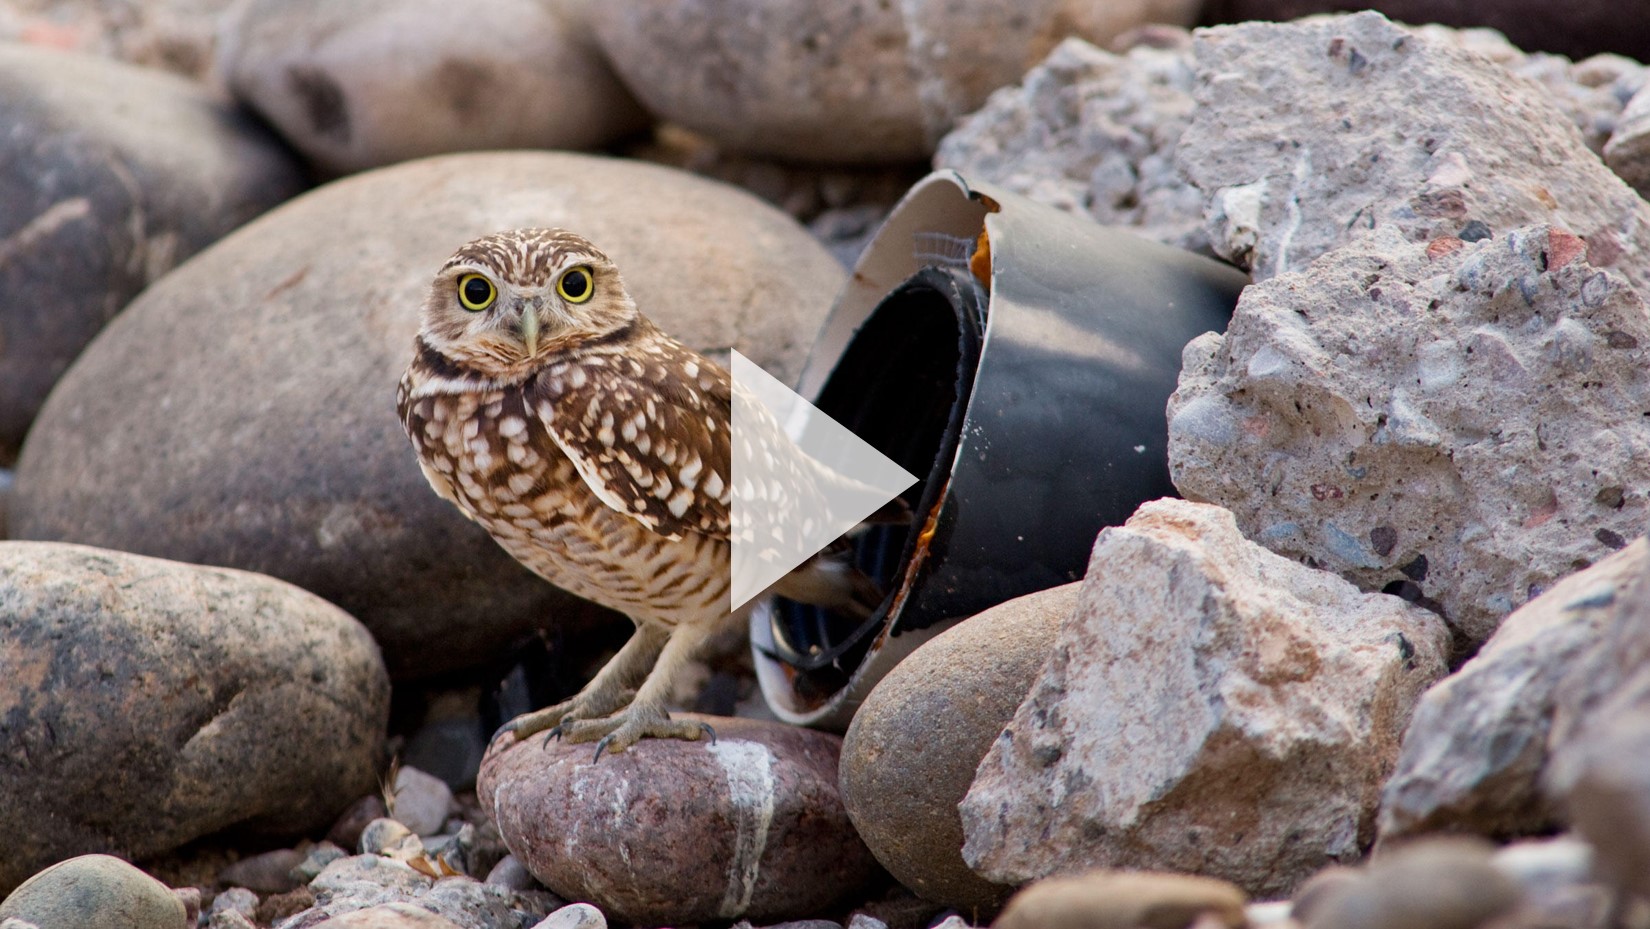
{"x":902,"y":385}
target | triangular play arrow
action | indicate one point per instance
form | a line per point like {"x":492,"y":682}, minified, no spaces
{"x":800,"y":480}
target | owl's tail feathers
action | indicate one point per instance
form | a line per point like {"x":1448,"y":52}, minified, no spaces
{"x":830,"y":580}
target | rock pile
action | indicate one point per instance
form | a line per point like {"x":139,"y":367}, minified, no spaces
{"x":1422,"y":444}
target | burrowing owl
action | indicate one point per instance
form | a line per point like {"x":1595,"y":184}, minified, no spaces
{"x":595,"y":449}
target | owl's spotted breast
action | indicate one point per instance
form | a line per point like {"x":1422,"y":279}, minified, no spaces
{"x":490,"y":452}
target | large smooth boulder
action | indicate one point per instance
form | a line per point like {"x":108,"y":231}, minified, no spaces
{"x":842,"y":83}
{"x":1211,"y":708}
{"x":147,"y":703}
{"x":242,"y":413}
{"x":911,"y":752}
{"x":671,"y":832}
{"x":110,"y":175}
{"x":357,"y":84}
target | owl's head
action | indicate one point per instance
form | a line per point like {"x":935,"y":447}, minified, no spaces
{"x":518,"y":296}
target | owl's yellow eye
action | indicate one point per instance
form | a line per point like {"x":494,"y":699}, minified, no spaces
{"x":476,"y":292}
{"x":576,"y":285}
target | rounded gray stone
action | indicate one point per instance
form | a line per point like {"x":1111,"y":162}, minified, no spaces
{"x":857,"y":82}
{"x":1107,"y":899}
{"x":148,"y":703}
{"x":110,"y":175}
{"x":95,"y":892}
{"x":574,"y":916}
{"x":422,"y":801}
{"x":357,"y":84}
{"x":388,"y":916}
{"x":242,"y":412}
{"x":1442,"y":883}
{"x":910,"y":753}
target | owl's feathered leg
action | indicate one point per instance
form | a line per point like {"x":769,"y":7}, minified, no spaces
{"x":611,"y":689}
{"x":646,"y":717}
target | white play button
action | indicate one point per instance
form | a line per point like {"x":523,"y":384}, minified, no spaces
{"x":800,"y":480}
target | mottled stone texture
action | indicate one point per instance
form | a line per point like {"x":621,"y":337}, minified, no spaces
{"x":95,"y":892}
{"x":1097,"y":133}
{"x":1093,"y":133}
{"x":1211,"y":708}
{"x":673,"y":832}
{"x":1308,"y":135}
{"x":275,"y":446}
{"x":1460,"y":423}
{"x":147,"y":703}
{"x":1576,"y":29}
{"x":110,"y":175}
{"x":1484,"y":737}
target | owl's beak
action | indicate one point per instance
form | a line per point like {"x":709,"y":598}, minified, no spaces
{"x":530,"y":330}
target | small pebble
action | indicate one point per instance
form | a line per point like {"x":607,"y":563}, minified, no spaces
{"x":952,"y":922}
{"x":190,"y":897}
{"x":268,"y":873}
{"x":1273,"y":913}
{"x":389,"y":916}
{"x":863,"y":921}
{"x":316,"y":861}
{"x":383,"y":836}
{"x":1441,"y":883}
{"x":420,"y":801}
{"x":1560,"y":859}
{"x":12,"y":922}
{"x":346,"y":832}
{"x":1311,"y":894}
{"x":1105,"y":899}
{"x":276,"y":907}
{"x":456,"y":851}
{"x":235,"y":900}
{"x":469,"y":902}
{"x":511,"y":874}
{"x":574,"y":916}
{"x":230,"y":919}
{"x":902,"y":909}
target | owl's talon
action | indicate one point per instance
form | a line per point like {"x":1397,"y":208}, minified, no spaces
{"x":498,"y":732}
{"x":709,"y":731}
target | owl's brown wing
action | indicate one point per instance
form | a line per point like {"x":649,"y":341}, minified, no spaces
{"x":647,"y":431}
